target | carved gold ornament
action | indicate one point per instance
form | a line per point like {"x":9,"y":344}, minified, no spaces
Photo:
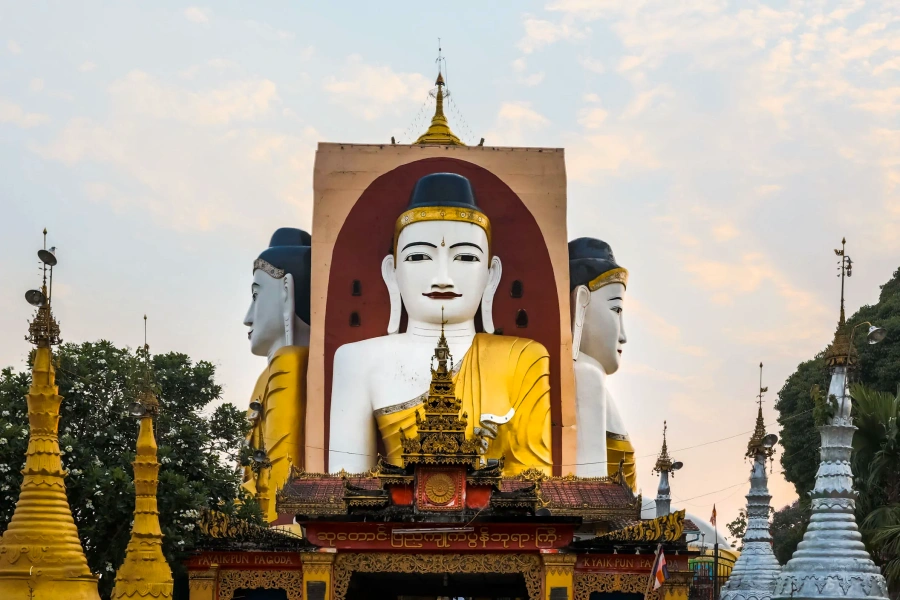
{"x":440,"y":488}
{"x":661,"y":529}
{"x":268,"y":268}
{"x":617,"y":275}
{"x":232,"y":580}
{"x":587,"y":583}
{"x":529,"y":565}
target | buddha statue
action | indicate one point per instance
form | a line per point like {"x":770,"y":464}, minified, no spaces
{"x":278,"y":319}
{"x":442,"y":271}
{"x":597,"y":286}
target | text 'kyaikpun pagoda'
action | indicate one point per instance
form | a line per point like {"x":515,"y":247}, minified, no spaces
{"x":434,"y":419}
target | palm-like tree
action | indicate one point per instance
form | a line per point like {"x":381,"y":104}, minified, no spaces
{"x":876,"y":467}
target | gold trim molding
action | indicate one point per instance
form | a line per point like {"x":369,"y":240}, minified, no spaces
{"x":234,"y":579}
{"x":629,"y":583}
{"x":529,"y":565}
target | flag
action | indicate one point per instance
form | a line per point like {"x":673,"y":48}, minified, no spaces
{"x":660,"y":571}
{"x":712,"y":519}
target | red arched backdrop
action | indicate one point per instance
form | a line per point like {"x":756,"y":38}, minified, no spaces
{"x":366,"y":237}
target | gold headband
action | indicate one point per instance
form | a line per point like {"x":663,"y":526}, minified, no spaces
{"x":268,"y":268}
{"x":617,"y":275}
{"x":441,"y":213}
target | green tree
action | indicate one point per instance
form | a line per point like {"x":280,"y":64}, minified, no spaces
{"x":737,"y":528}
{"x":876,"y":471}
{"x":788,"y":526}
{"x":200,"y":450}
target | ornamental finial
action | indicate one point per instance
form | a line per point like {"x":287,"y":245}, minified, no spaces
{"x":439,"y":132}
{"x":758,"y":441}
{"x":841,"y":352}
{"x":663,"y":461}
{"x":43,"y":330}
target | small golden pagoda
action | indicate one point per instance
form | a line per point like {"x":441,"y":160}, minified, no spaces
{"x":145,"y":572}
{"x":41,"y":557}
{"x":439,"y":132}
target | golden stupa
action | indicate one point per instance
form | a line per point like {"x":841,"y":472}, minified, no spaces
{"x":439,"y":131}
{"x":41,"y":557}
{"x":145,"y":572}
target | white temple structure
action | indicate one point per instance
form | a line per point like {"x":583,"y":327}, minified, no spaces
{"x":756,"y":570}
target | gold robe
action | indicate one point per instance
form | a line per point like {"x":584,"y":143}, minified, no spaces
{"x":496,"y":374}
{"x":281,"y":388}
{"x":619,"y":449}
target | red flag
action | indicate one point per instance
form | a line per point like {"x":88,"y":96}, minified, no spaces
{"x":712,"y":519}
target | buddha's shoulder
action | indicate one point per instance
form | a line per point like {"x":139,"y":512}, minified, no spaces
{"x":367,"y":347}
{"x":518,"y":346}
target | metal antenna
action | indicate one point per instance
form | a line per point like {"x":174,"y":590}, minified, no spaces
{"x":846,"y":269}
{"x":762,"y":390}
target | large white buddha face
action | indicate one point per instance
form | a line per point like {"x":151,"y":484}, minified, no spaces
{"x":265,"y":317}
{"x":604,"y":328}
{"x":442,"y":264}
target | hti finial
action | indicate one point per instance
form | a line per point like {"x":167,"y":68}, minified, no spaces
{"x":757,"y":440}
{"x":846,"y":269}
{"x":664,"y":461}
{"x":43,"y":329}
{"x":762,"y":390}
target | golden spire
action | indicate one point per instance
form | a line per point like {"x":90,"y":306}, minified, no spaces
{"x":41,"y":556}
{"x":441,"y":435}
{"x":841,"y":352}
{"x":663,"y":461}
{"x":145,"y":572}
{"x":439,"y":131}
{"x":757,"y":443}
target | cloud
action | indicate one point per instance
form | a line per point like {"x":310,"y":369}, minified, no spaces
{"x":268,"y":32}
{"x":616,"y":153}
{"x":592,"y":117}
{"x":87,"y":66}
{"x":532,"y":80}
{"x":540,"y":33}
{"x":16,"y":115}
{"x":36,"y":84}
{"x":240,"y":100}
{"x":593,"y":65}
{"x":192,"y":159}
{"x":370,"y":91}
{"x":14,"y":47}
{"x":195,"y":14}
{"x":519,"y":65}
{"x":515,"y":122}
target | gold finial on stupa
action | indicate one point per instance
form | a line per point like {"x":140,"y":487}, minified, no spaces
{"x":439,"y":132}
{"x":841,"y":352}
{"x":759,"y":442}
{"x":41,"y":557}
{"x":145,"y":572}
{"x":663,"y":461}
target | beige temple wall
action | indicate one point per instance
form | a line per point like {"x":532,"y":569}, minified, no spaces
{"x":343,"y":171}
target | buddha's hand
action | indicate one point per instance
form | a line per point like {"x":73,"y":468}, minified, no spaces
{"x":490,"y":426}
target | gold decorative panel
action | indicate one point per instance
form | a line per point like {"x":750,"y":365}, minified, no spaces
{"x":236,"y":579}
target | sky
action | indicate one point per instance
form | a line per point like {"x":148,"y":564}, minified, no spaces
{"x":722,"y":148}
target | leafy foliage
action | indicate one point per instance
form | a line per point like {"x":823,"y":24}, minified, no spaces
{"x":200,"y":453}
{"x":737,"y":529}
{"x":788,"y":526}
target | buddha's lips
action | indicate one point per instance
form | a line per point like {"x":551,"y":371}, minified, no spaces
{"x":442,"y":295}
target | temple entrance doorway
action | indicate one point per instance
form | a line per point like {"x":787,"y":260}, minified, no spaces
{"x":259,"y":594}
{"x":616,"y":596}
{"x":434,"y":586}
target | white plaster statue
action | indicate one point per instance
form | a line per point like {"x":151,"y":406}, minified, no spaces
{"x":442,"y":271}
{"x":278,"y":322}
{"x":598,"y":333}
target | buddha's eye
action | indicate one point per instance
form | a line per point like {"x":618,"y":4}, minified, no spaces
{"x":467,"y":258}
{"x":255,"y":295}
{"x":617,"y":310}
{"x":417,"y":257}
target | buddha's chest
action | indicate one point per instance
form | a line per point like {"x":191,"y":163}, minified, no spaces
{"x":403,"y":374}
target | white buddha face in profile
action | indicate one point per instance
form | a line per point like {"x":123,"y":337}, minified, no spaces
{"x":603,"y":334}
{"x":271,"y":317}
{"x":443,"y":265}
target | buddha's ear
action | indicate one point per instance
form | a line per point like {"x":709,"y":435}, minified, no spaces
{"x":581,"y":297}
{"x":389,"y":274}
{"x":287,"y":308}
{"x":487,"y":300}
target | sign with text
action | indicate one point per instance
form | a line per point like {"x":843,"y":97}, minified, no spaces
{"x":627,"y":563}
{"x":404,"y":537}
{"x":246,"y":560}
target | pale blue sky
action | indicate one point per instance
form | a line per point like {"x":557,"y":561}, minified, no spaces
{"x":722,"y":148}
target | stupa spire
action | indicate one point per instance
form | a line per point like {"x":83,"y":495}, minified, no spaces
{"x":145,"y":572}
{"x":754,"y":574}
{"x":41,"y":557}
{"x":832,"y":560}
{"x":664,"y":466}
{"x":439,"y":131}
